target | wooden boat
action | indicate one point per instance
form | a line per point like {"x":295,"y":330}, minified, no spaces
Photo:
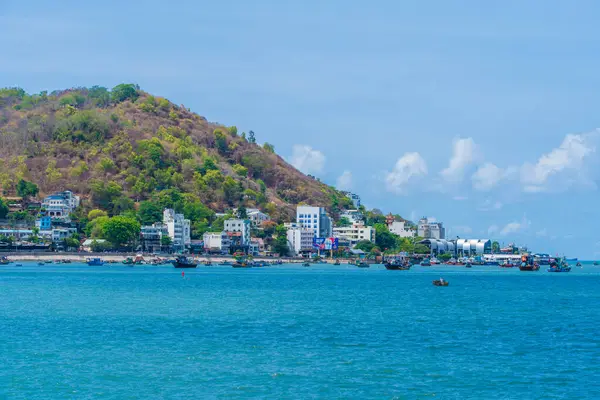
{"x":438,"y":282}
{"x":528,"y":263}
{"x":184,"y":262}
{"x":559,"y":266}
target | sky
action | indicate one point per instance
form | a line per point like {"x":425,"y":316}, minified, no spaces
{"x":482,"y":116}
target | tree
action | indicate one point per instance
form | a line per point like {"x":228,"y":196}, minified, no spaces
{"x":95,"y":213}
{"x":240,"y":170}
{"x":100,"y":95}
{"x":281,"y":244}
{"x":384,"y":239}
{"x":121,"y":231}
{"x":421,"y":249}
{"x":166,"y":241}
{"x":124,"y":92}
{"x":221,"y":141}
{"x":104,"y":194}
{"x":251,"y":137}
{"x":99,"y":247}
{"x":342,"y":222}
{"x":365,"y":245}
{"x":269,"y":147}
{"x":27,"y":189}
{"x":242,"y":213}
{"x":149,"y":213}
{"x":3,"y":208}
{"x":495,"y":247}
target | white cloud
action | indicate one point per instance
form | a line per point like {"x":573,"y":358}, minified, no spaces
{"x":490,"y":205}
{"x":561,"y":167}
{"x":307,"y":159}
{"x":515,"y":226}
{"x":409,"y":166}
{"x":490,"y":175}
{"x":492,"y":229}
{"x":344,"y":181}
{"x":463,"y":155}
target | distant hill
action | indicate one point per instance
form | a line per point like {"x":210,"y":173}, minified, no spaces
{"x":122,"y":146}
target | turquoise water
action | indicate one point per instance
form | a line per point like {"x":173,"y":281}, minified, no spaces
{"x":116,"y":332}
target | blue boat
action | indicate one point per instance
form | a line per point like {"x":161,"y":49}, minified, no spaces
{"x":95,"y":262}
{"x":559,"y":266}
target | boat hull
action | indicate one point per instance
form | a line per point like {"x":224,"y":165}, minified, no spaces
{"x":178,"y":264}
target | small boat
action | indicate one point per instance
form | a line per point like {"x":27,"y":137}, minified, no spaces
{"x":241,"y":264}
{"x":559,"y":266}
{"x":128,"y":261}
{"x":94,"y":262}
{"x":48,"y":261}
{"x":4,"y":261}
{"x":279,"y":262}
{"x":225,"y":262}
{"x":434,"y":261}
{"x":208,"y":263}
{"x":398,"y":264}
{"x":528,"y":263}
{"x":440,"y":282}
{"x":41,"y":263}
{"x":507,"y":264}
{"x":184,"y":262}
{"x":362,"y":264}
{"x":306,"y":264}
{"x":66,"y":261}
{"x":468,"y":265}
{"x":19,"y":265}
{"x":337,"y":262}
{"x":578,"y":264}
{"x":426,"y":263}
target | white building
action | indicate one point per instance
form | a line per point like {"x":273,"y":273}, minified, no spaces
{"x":355,"y":199}
{"x":399,"y":228}
{"x":60,"y":234}
{"x":315,"y":219}
{"x":300,"y":239}
{"x":151,"y":237}
{"x":240,"y":226}
{"x":178,"y":229}
{"x":355,"y":233}
{"x":430,"y":229}
{"x":60,"y":205}
{"x":216,"y":242}
{"x":354,"y":216}
{"x":257,"y":217}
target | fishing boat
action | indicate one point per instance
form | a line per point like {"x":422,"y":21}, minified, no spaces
{"x":578,"y":264}
{"x":451,"y":261}
{"x":426,"y":263}
{"x":528,"y":263}
{"x":128,"y":261}
{"x":4,"y":260}
{"x":559,"y":265}
{"x":440,"y":282}
{"x":184,"y":262}
{"x":362,"y":264}
{"x":434,"y":261}
{"x":468,"y":265}
{"x":507,"y":264}
{"x":400,"y":264}
{"x":241,"y":264}
{"x":94,"y":262}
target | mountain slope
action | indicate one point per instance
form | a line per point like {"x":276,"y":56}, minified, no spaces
{"x":123,"y":146}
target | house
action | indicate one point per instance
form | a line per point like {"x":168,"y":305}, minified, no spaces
{"x":238,"y":230}
{"x":300,"y":240}
{"x":151,"y":237}
{"x":44,"y":223}
{"x":429,"y":229}
{"x":216,"y":242}
{"x":60,"y":205}
{"x":354,"y":216}
{"x":257,"y":217}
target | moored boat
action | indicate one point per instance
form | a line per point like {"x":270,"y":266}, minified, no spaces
{"x":337,"y":262}
{"x":400,"y":264}
{"x":507,"y":264}
{"x":306,"y":264}
{"x":96,"y":262}
{"x":128,"y":261}
{"x":4,"y":260}
{"x":559,"y":266}
{"x":362,"y":264}
{"x":528,"y":263}
{"x":184,"y":262}
{"x":426,"y":263}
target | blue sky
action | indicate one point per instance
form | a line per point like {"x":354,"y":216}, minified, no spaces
{"x":483,"y":117}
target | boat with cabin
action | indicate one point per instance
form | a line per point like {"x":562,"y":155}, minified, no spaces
{"x":426,"y":263}
{"x":184,"y":262}
{"x":397,"y":263}
{"x":95,"y":262}
{"x":528,"y":263}
{"x":559,"y":265}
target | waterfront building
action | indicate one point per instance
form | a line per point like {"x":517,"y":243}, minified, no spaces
{"x":151,"y":237}
{"x":60,"y":234}
{"x":178,"y":229}
{"x":60,"y":205}
{"x":355,"y":233}
{"x":439,"y":246}
{"x":257,"y":217}
{"x":316,"y":219}
{"x":17,"y":233}
{"x":238,"y":231}
{"x":430,"y":229}
{"x":473,"y":247}
{"x":300,"y":240}
{"x":216,"y":242}
{"x":354,"y":216}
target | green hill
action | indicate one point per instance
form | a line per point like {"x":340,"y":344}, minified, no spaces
{"x":123,"y":147}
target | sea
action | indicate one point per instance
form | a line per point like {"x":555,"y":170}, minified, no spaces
{"x":292,"y":332}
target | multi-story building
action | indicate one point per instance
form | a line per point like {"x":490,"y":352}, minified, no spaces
{"x":300,"y":240}
{"x":399,"y":228}
{"x":431,"y":230}
{"x":60,"y":205}
{"x":238,"y":230}
{"x":216,"y":242}
{"x":60,"y":234}
{"x":151,"y":237}
{"x":44,"y":223}
{"x":257,"y":217}
{"x":355,"y":233}
{"x":316,"y":219}
{"x":178,"y":229}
